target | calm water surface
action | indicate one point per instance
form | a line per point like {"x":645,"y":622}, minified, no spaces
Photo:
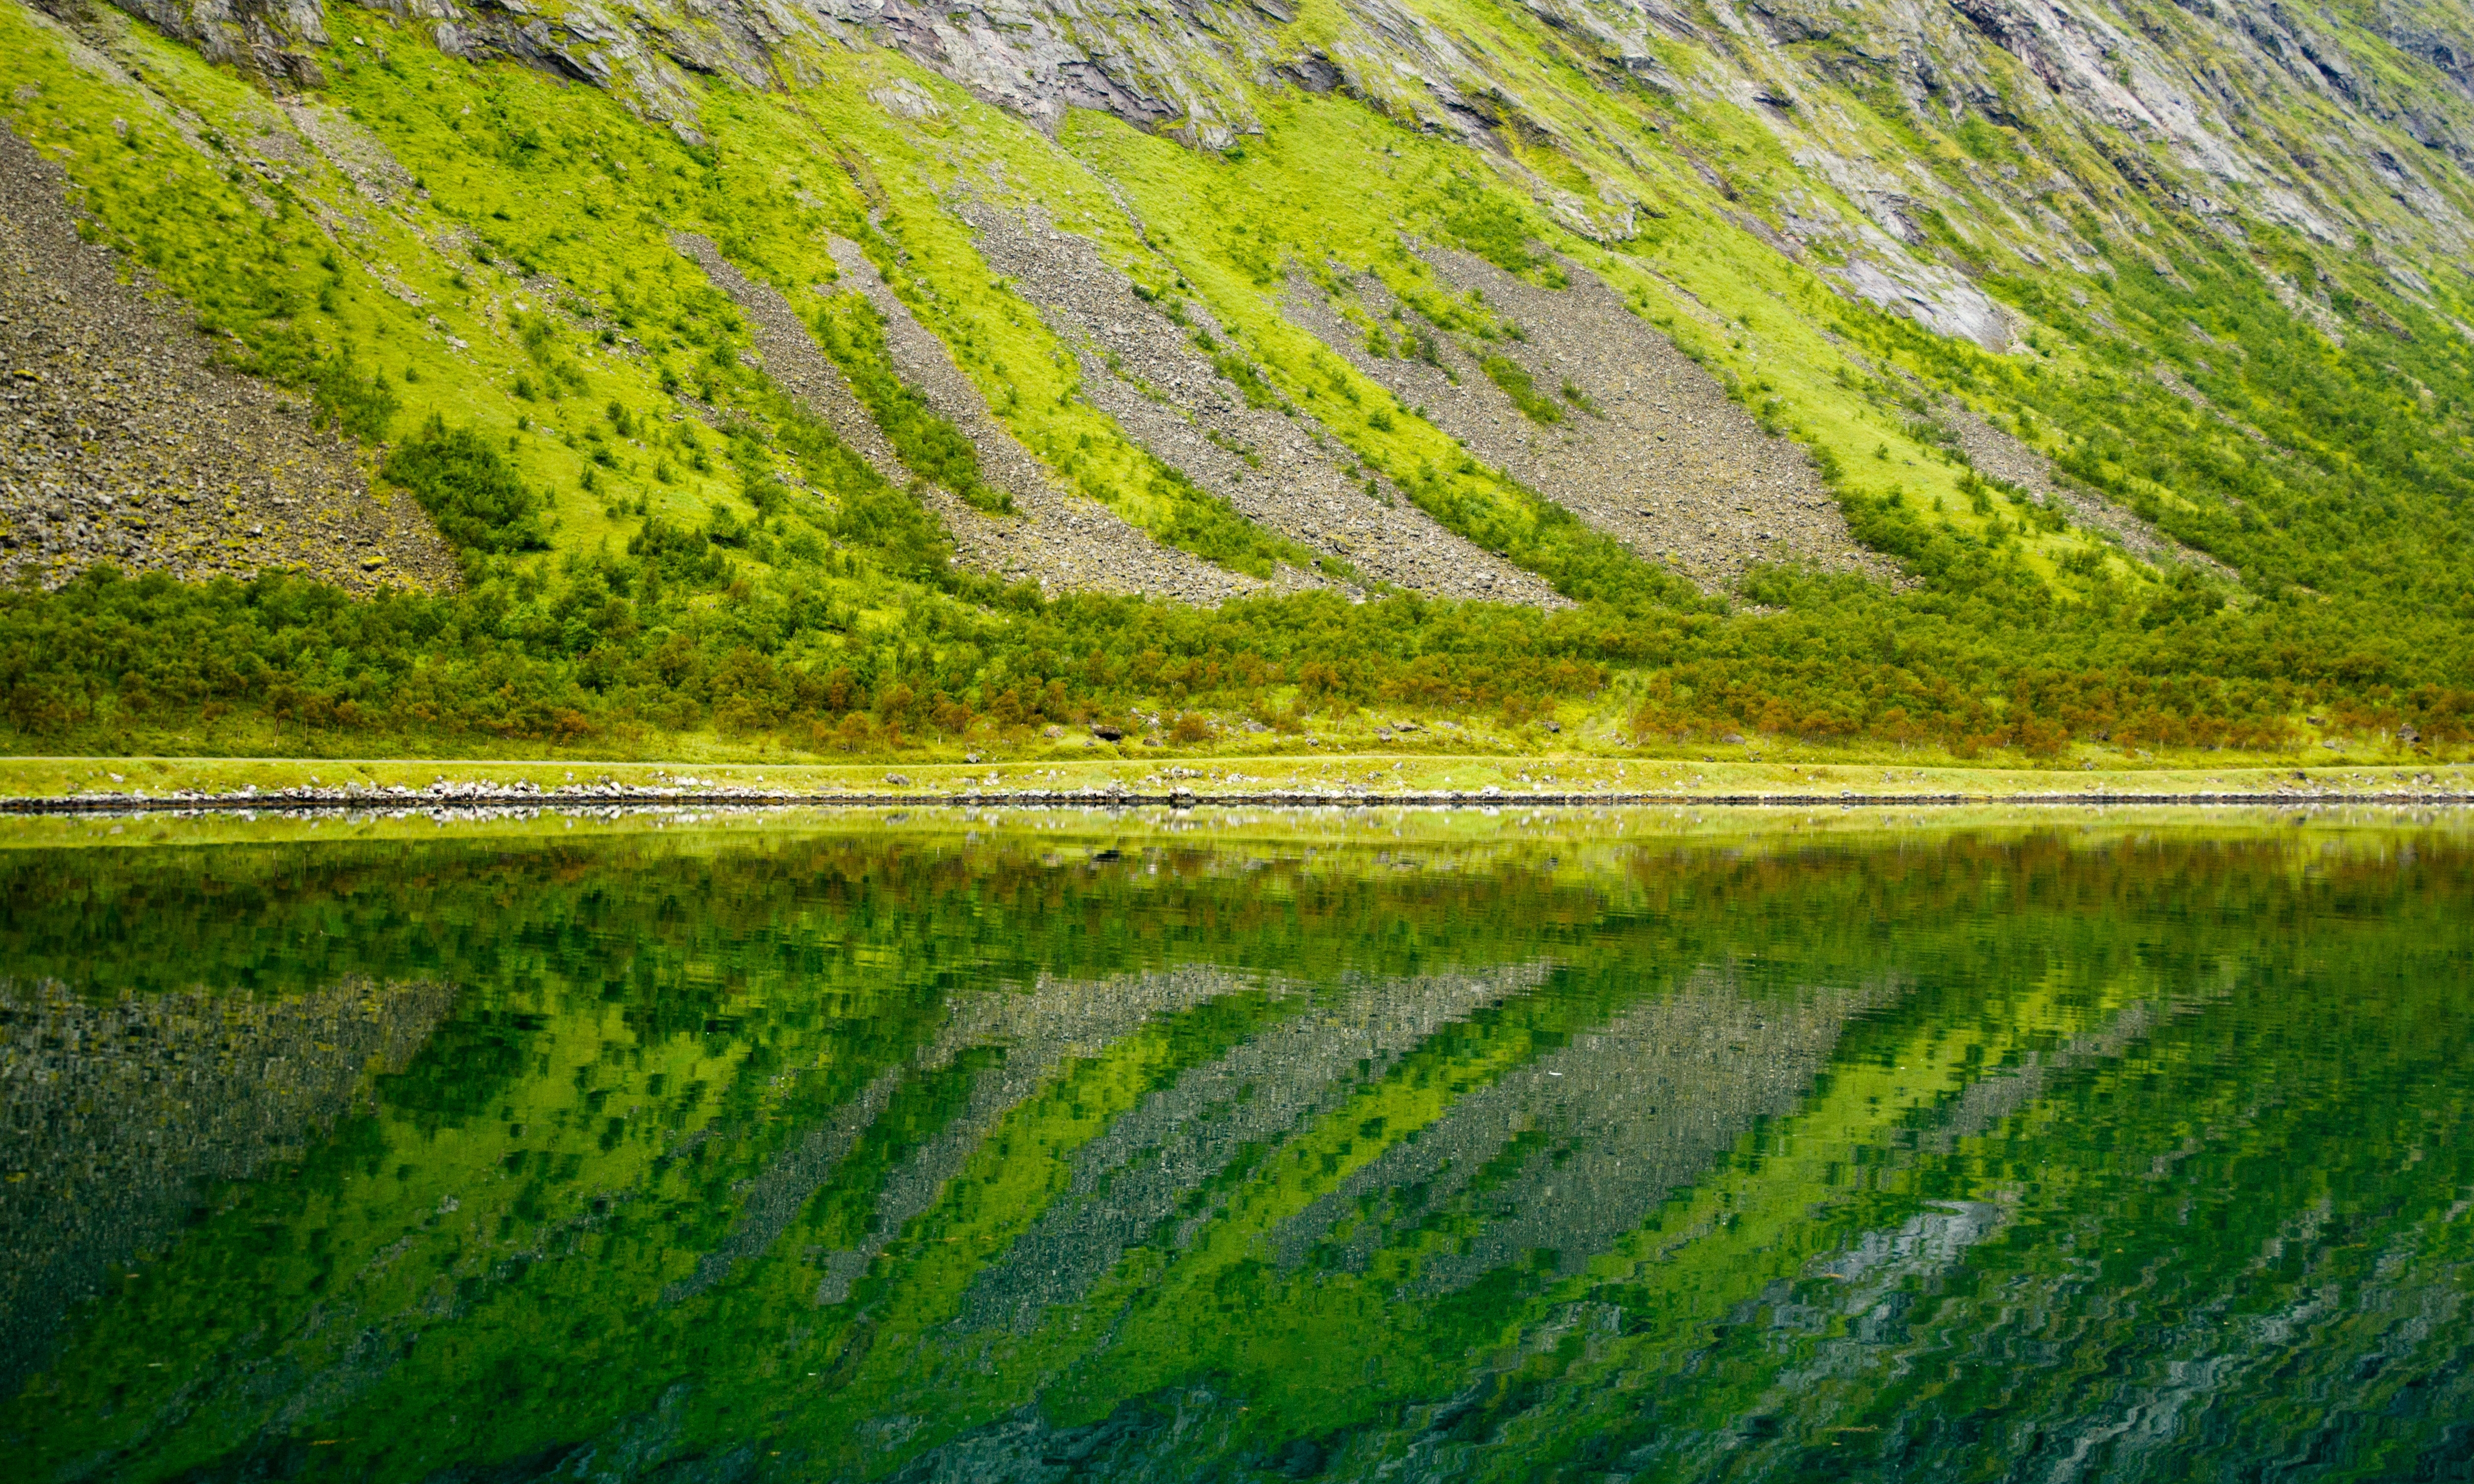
{"x":2067,"y":1149}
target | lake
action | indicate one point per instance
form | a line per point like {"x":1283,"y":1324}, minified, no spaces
{"x":1397,"y":1145}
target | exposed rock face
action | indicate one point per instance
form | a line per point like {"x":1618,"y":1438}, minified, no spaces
{"x":122,"y":443}
{"x":120,"y":1112}
{"x":1665,"y":460}
{"x":1281,"y":470}
{"x":2322,"y":123}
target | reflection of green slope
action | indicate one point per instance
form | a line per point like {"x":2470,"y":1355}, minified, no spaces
{"x":706,"y":922}
{"x":1025,"y":1166}
{"x":2050,"y":1332}
{"x":1303,"y":1339}
{"x":1297,"y":1345}
{"x":1022,"y":1165}
{"x":629,"y":1087}
{"x":406,"y":1253}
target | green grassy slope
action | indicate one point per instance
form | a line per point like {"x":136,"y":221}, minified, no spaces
{"x":470,"y":264}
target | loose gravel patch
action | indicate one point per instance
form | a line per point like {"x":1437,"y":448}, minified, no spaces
{"x":1281,"y":470}
{"x":1661,"y":458}
{"x":121,"y":442}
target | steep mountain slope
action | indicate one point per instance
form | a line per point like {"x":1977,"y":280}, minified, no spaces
{"x":1996,"y":374}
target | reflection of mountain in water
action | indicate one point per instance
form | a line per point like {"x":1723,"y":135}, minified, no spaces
{"x":1567,"y":1154}
{"x":1562,"y":1153}
{"x":120,"y":1113}
{"x":1160,"y":1161}
{"x":1038,"y":1029}
{"x":972,"y":1171}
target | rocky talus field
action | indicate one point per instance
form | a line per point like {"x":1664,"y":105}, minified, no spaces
{"x":127,"y":444}
{"x":1279,"y":467}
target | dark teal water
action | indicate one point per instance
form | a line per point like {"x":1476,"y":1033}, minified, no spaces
{"x":2062,"y":1151}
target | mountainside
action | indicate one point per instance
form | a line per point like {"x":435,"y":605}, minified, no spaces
{"x":2071,"y":379}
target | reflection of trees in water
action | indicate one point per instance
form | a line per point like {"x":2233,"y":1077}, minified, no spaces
{"x":1037,"y":1029}
{"x":898,"y":1164}
{"x":120,"y":1113}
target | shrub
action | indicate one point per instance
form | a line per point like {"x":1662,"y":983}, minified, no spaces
{"x":362,"y":406}
{"x":1515,"y":382}
{"x":469,"y":488}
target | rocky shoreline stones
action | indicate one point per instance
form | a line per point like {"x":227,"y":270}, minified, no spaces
{"x":526,"y":801}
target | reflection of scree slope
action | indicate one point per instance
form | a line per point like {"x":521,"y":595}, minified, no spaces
{"x":121,"y":1112}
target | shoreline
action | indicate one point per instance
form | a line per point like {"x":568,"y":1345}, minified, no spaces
{"x":35,"y":786}
{"x":1931,"y":789}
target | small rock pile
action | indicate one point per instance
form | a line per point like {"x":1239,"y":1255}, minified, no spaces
{"x":122,"y":443}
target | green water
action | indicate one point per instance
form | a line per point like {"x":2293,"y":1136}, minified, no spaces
{"x":2068,"y":1148}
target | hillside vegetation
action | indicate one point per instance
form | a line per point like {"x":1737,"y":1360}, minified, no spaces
{"x":1988,"y":390}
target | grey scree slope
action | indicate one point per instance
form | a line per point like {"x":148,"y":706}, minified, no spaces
{"x":1144,"y":369}
{"x":1673,"y":469}
{"x":794,"y":363}
{"x":121,"y":440}
{"x":1060,"y":541}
